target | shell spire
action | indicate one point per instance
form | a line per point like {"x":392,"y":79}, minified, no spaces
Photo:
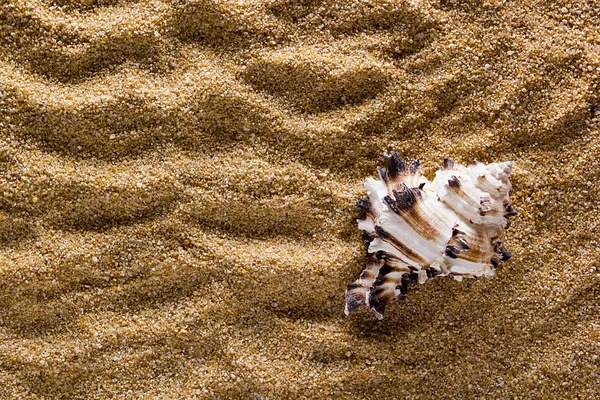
{"x":416,"y":229}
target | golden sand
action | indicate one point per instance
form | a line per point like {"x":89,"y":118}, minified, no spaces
{"x":177,"y":181}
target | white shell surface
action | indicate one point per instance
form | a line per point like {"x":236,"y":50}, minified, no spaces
{"x":417,"y":229}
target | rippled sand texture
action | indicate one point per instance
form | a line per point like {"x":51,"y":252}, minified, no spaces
{"x":177,"y":181}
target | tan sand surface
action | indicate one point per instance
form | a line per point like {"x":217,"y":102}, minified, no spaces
{"x":177,"y":181}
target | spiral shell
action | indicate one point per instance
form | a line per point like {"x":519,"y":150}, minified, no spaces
{"x":416,"y":229}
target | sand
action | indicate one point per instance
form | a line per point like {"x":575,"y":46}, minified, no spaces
{"x":177,"y":181}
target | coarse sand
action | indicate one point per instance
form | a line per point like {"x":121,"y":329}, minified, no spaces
{"x":177,"y":181}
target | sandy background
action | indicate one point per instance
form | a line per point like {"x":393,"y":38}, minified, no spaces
{"x":177,"y":181}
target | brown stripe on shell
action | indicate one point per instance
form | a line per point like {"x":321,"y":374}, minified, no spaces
{"x":382,"y":255}
{"x":401,"y":247}
{"x":417,"y":219}
{"x":474,"y":248}
{"x":456,"y":186}
{"x":393,"y":262}
{"x":384,"y":289}
{"x":385,"y":271}
{"x":371,"y":271}
{"x":407,"y":206}
{"x":480,"y":248}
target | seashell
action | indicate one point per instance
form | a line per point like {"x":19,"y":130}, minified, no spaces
{"x":416,"y":229}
